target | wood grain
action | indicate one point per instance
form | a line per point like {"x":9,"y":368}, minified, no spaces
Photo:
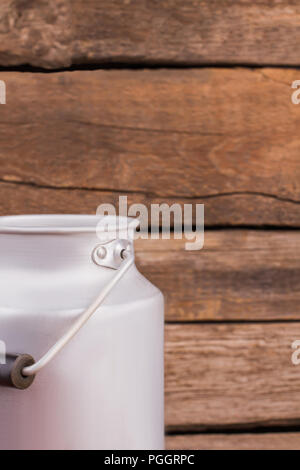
{"x":233,"y":375}
{"x":19,"y":196}
{"x":64,"y":32}
{"x":36,"y":32}
{"x":224,"y":137}
{"x":257,"y":441}
{"x":239,"y":275}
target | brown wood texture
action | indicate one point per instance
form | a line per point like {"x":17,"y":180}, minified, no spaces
{"x":264,"y":441}
{"x":231,"y":375}
{"x":239,"y":275}
{"x":64,"y":32}
{"x":228,"y":138}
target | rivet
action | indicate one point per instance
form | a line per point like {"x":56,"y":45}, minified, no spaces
{"x":101,"y":252}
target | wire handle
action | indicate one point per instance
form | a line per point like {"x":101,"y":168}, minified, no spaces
{"x":127,"y":259}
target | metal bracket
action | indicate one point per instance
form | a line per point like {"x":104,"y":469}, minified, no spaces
{"x":111,"y":254}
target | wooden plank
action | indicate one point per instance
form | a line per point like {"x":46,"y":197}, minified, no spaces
{"x":224,"y":137}
{"x":35,"y":32}
{"x":231,"y":375}
{"x":238,"y":275}
{"x":257,"y":441}
{"x":22,"y":197}
{"x":64,"y":32}
{"x":232,"y":210}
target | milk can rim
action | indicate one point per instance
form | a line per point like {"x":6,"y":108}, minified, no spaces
{"x":62,"y":223}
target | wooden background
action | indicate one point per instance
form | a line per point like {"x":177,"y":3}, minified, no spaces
{"x":183,"y":101}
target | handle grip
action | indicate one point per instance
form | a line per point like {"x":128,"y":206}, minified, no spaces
{"x":11,"y":373}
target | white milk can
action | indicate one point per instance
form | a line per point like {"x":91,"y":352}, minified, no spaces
{"x":83,"y":334}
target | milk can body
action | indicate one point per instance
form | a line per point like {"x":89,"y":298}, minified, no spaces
{"x":104,"y":390}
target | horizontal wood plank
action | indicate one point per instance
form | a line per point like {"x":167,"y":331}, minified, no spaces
{"x":231,"y":376}
{"x":64,"y":32}
{"x":227,"y":138}
{"x":239,"y":275}
{"x":257,"y":441}
{"x":19,"y":194}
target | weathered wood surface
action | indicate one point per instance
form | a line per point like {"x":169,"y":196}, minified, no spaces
{"x":226,"y":138}
{"x":238,"y":275}
{"x":257,"y":441}
{"x":64,"y":32}
{"x":231,"y":210}
{"x":231,"y":375}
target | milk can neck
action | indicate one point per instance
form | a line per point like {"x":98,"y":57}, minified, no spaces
{"x":57,"y":241}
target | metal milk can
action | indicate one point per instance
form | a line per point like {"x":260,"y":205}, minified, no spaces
{"x":83,"y":333}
